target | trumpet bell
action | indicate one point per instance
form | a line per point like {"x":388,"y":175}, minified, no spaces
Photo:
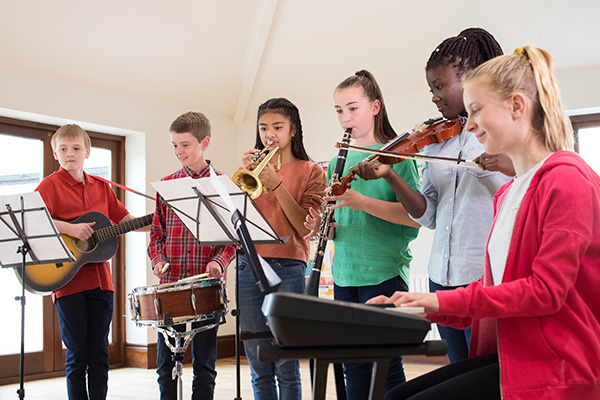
{"x":247,"y":179}
{"x":248,"y":182}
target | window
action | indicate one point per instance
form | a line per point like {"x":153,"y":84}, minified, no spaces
{"x":587,"y":138}
{"x":20,"y":174}
{"x":26,"y":155}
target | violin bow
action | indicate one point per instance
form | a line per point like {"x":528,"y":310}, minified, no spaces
{"x":459,"y":162}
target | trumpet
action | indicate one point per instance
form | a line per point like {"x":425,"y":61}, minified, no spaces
{"x":247,"y":179}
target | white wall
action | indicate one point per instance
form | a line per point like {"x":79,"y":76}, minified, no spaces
{"x":149,"y":155}
{"x":580,"y":90}
{"x":148,"y":158}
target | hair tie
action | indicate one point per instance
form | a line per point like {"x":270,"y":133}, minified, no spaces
{"x":520,"y":51}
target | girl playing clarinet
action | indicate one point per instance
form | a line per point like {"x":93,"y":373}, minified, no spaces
{"x":373,"y":230}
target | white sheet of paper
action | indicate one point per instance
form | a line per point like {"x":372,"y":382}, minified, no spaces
{"x":36,"y":224}
{"x":222,"y":190}
{"x":179,"y":193}
{"x":271,"y":275}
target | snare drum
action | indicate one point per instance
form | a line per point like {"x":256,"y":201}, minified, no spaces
{"x":178,"y":302}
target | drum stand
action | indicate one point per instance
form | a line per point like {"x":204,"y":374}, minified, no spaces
{"x":182,"y":341}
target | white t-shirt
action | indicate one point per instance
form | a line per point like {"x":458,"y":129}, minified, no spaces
{"x":502,"y":230}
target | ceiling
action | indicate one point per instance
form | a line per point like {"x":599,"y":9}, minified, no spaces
{"x":229,"y":56}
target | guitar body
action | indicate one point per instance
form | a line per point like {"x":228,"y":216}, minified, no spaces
{"x":45,"y":278}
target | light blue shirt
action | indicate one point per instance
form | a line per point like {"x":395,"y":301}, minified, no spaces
{"x":459,"y":208}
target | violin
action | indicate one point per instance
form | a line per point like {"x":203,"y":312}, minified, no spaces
{"x":406,"y":146}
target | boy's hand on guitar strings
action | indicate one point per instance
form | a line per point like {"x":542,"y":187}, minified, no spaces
{"x":82,"y":231}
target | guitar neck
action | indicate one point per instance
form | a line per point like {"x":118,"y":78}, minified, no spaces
{"x":123,"y":227}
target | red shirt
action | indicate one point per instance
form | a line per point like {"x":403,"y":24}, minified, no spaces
{"x":172,"y":242}
{"x":68,"y":199}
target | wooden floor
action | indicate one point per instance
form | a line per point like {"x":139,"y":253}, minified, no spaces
{"x":133,"y":383}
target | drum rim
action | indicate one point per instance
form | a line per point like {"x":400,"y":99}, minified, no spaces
{"x":170,"y":286}
{"x":184,"y":320}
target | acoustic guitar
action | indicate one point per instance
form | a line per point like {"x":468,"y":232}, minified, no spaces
{"x":100,"y":247}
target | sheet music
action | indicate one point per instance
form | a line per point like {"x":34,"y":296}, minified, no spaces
{"x":41,"y":232}
{"x":271,"y":275}
{"x":180,"y":194}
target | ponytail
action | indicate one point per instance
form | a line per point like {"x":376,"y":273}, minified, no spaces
{"x":529,"y":71}
{"x":383,"y":130}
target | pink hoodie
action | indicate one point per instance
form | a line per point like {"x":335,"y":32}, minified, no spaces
{"x":544,"y":319}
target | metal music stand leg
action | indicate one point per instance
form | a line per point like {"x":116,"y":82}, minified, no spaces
{"x":21,"y":391}
{"x":236,"y":314}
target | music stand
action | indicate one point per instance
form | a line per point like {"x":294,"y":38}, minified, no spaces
{"x":228,"y":217}
{"x":26,"y":225}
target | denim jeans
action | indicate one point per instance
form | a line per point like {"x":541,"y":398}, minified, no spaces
{"x":358,"y":375}
{"x":292,"y":273}
{"x":204,"y":356}
{"x":84,"y":325}
{"x":458,"y":340}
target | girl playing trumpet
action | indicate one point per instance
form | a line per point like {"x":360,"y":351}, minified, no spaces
{"x":294,"y":184}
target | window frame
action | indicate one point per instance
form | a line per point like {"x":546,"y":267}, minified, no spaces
{"x":50,"y":361}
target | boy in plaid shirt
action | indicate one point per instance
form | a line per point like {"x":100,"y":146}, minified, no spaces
{"x":172,"y":243}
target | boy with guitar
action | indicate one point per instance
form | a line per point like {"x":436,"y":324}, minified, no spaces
{"x":85,"y":303}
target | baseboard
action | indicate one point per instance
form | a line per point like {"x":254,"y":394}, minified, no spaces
{"x":144,"y":356}
{"x":423,"y":359}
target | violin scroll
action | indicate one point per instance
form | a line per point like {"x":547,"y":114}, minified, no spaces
{"x":339,"y":188}
{"x":430,"y":132}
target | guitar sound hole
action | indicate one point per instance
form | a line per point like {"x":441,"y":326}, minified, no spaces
{"x":85,"y":246}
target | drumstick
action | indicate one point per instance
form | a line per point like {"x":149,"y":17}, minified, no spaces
{"x":191,"y":278}
{"x":165,"y":268}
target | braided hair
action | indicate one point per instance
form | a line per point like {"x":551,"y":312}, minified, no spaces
{"x":286,"y":108}
{"x":471,"y":48}
{"x":366,"y":80}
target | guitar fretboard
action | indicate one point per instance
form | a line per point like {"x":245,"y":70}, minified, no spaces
{"x":122,"y":228}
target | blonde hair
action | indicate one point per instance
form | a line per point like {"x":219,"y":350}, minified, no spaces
{"x":529,"y":71}
{"x":71,"y":131}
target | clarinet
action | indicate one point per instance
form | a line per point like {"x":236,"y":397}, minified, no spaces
{"x":312,"y":287}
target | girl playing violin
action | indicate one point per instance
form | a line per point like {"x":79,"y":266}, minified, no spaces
{"x":455,"y":201}
{"x":371,"y":248}
{"x":295,"y":184}
{"x":536,"y":312}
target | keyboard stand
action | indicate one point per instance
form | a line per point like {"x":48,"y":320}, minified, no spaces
{"x":380,"y":355}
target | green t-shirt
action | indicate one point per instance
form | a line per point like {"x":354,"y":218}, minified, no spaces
{"x":369,"y":250}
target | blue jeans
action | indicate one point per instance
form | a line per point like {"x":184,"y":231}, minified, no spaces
{"x":84,"y":325}
{"x":292,"y":273}
{"x":358,"y":375}
{"x":204,"y":356}
{"x":458,"y":340}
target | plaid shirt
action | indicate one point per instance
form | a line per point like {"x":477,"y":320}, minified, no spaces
{"x":172,"y":242}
